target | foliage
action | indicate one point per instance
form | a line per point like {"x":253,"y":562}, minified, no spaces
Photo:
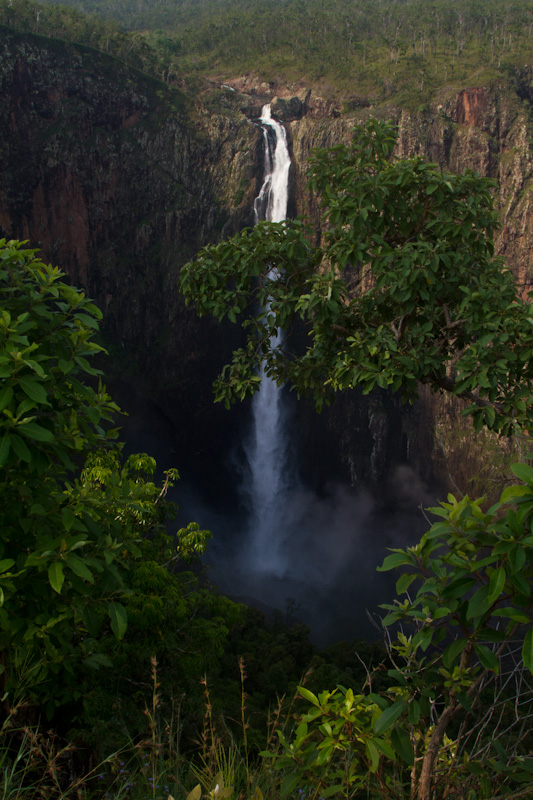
{"x":59,"y":22}
{"x":456,"y":721}
{"x":384,"y":48}
{"x":73,"y":518}
{"x":85,"y":548}
{"x":403,"y":288}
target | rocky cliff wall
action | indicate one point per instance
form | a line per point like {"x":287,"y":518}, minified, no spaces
{"x":487,"y":129}
{"x":120,"y":180}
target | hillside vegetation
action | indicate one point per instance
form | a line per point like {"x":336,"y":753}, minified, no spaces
{"x":375,"y":50}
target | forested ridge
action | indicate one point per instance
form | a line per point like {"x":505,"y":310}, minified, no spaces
{"x":376,"y":50}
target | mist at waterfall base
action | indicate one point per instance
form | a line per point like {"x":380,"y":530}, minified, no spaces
{"x":314,"y":556}
{"x":328,"y":540}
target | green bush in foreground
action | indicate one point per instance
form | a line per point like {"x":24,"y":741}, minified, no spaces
{"x":456,"y":720}
{"x":74,"y":519}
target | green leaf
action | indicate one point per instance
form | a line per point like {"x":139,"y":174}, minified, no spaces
{"x":524,"y":472}
{"x":34,"y":390}
{"x":195,"y":794}
{"x":331,"y":791}
{"x":307,"y":695}
{"x":497,"y":582}
{"x":55,"y":576}
{"x":487,"y":657}
{"x":37,"y":432}
{"x":404,"y":582}
{"x":401,"y":741}
{"x":119,"y":619}
{"x":92,"y":619}
{"x":479,"y":603}
{"x":65,"y":366}
{"x":290,"y":782}
{"x":393,"y":561}
{"x":413,"y":712}
{"x":388,"y":717}
{"x":453,"y":651}
{"x":459,"y":587}
{"x":5,"y":445}
{"x":515,"y":492}
{"x":6,"y":564}
{"x":521,"y":584}
{"x":19,"y":446}
{"x":87,"y":320}
{"x":527,"y":650}
{"x":6,"y":395}
{"x":512,"y":613}
{"x":68,"y":517}
{"x":97,"y":660}
{"x":517,"y":558}
{"x":373,"y":754}
{"x":23,"y":407}
{"x":79,"y":567}
{"x":384,"y":747}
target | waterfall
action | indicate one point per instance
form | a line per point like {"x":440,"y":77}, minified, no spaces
{"x":266,"y":448}
{"x":271,"y":202}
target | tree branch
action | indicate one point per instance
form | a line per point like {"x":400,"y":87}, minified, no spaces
{"x":448,"y":384}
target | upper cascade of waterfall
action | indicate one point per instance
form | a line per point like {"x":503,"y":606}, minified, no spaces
{"x":271,"y":202}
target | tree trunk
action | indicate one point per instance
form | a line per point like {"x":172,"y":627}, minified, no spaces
{"x":428,"y":762}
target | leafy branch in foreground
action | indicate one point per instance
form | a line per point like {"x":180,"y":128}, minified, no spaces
{"x":403,"y":289}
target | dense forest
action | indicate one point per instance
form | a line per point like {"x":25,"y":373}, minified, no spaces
{"x":361,"y":50}
{"x":124,"y":672}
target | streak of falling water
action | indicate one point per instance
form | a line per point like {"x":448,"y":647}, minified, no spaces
{"x":271,"y":202}
{"x":266,"y":448}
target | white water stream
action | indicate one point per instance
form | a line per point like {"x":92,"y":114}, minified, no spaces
{"x":266,"y":448}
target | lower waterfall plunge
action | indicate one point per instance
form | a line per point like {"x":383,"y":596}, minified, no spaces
{"x":265,"y":449}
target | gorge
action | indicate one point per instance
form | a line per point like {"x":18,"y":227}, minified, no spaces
{"x":120,"y":179}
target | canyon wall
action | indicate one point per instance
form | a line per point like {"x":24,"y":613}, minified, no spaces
{"x":120,"y":179}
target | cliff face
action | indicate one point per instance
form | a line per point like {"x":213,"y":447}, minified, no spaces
{"x":120,"y":180}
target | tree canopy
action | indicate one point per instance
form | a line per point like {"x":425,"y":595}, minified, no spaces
{"x":402,"y":289}
{"x":375,"y":50}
